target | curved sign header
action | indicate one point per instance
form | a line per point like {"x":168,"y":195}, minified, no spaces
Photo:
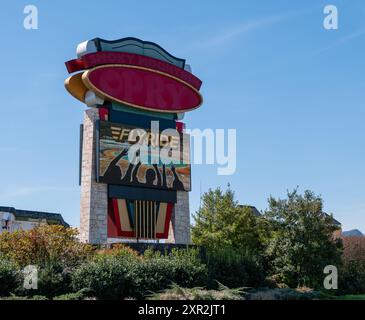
{"x":140,"y":81}
{"x":142,"y":88}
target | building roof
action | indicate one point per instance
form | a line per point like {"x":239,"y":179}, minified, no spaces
{"x":253,"y":209}
{"x":52,"y":218}
{"x":334,"y":221}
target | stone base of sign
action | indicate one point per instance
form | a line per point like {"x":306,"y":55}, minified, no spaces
{"x":94,"y":196}
{"x":179,"y":231}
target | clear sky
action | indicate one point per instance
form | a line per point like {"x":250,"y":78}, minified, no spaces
{"x":294,"y":91}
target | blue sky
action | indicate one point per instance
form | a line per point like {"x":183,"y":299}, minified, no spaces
{"x":294,"y":91}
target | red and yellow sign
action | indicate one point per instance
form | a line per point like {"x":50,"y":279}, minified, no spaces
{"x":134,"y":80}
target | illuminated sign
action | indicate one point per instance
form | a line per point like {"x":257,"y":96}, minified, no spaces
{"x":155,"y":82}
{"x":142,"y":88}
{"x":136,"y":157}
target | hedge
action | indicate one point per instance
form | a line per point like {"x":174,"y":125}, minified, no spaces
{"x":120,"y":276}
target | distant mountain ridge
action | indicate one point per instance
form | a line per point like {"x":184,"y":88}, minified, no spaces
{"x":352,"y":233}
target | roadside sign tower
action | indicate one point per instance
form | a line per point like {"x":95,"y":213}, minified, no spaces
{"x":135,"y":172}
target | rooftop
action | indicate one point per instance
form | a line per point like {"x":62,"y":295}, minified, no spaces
{"x":54,"y":218}
{"x":253,"y":209}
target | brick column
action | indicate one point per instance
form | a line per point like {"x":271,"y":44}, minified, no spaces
{"x":179,"y":231}
{"x":94,"y":196}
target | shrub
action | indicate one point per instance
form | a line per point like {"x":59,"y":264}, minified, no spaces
{"x":233,"y":268}
{"x":55,"y":251}
{"x":119,"y":250}
{"x":43,"y":246}
{"x":79,"y":295}
{"x":149,"y":275}
{"x":156,"y":272}
{"x":353,"y":249}
{"x":352,"y":272}
{"x":179,"y":293}
{"x":9,"y":277}
{"x":54,"y":280}
{"x":352,"y":278}
{"x":284,"y":294}
{"x":187,"y":267}
{"x":105,"y":277}
{"x":125,"y":274}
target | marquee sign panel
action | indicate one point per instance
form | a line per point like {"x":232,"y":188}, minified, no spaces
{"x":142,"y":88}
{"x":136,"y":73}
{"x":164,"y":172}
{"x":92,"y":60}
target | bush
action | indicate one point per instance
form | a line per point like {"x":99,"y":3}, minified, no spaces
{"x":79,"y":295}
{"x":119,"y":250}
{"x":179,"y":293}
{"x":54,"y":280}
{"x":156,"y":272}
{"x":147,"y":276}
{"x":233,"y":269}
{"x":43,"y":246}
{"x":105,"y":277}
{"x":352,"y":272}
{"x":284,"y":294}
{"x":352,"y":278}
{"x":353,"y":249}
{"x":187,"y":268}
{"x":125,"y":274}
{"x":9,"y":277}
{"x":55,"y":251}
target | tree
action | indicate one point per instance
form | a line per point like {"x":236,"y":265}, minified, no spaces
{"x":302,"y":241}
{"x":221,"y":222}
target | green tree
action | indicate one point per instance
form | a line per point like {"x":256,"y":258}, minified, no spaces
{"x":221,"y":222}
{"x":302,"y":241}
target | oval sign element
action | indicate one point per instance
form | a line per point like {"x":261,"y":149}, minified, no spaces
{"x":142,"y":88}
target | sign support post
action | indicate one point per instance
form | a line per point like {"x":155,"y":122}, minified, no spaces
{"x":94,"y":196}
{"x":179,"y":231}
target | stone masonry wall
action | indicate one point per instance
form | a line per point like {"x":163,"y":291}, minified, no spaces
{"x":179,"y":231}
{"x":94,"y":196}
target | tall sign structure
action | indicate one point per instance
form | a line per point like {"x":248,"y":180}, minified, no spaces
{"x":135,"y":170}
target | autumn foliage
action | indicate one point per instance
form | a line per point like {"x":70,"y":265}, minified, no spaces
{"x":43,"y":246}
{"x":354,"y":249}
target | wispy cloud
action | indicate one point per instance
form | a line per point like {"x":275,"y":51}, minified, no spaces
{"x":354,"y":35}
{"x":226,"y":34}
{"x":26,"y":191}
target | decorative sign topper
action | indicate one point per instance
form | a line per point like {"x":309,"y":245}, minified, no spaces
{"x":135,"y":73}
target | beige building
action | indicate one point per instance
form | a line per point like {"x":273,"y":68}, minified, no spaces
{"x":12,"y":219}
